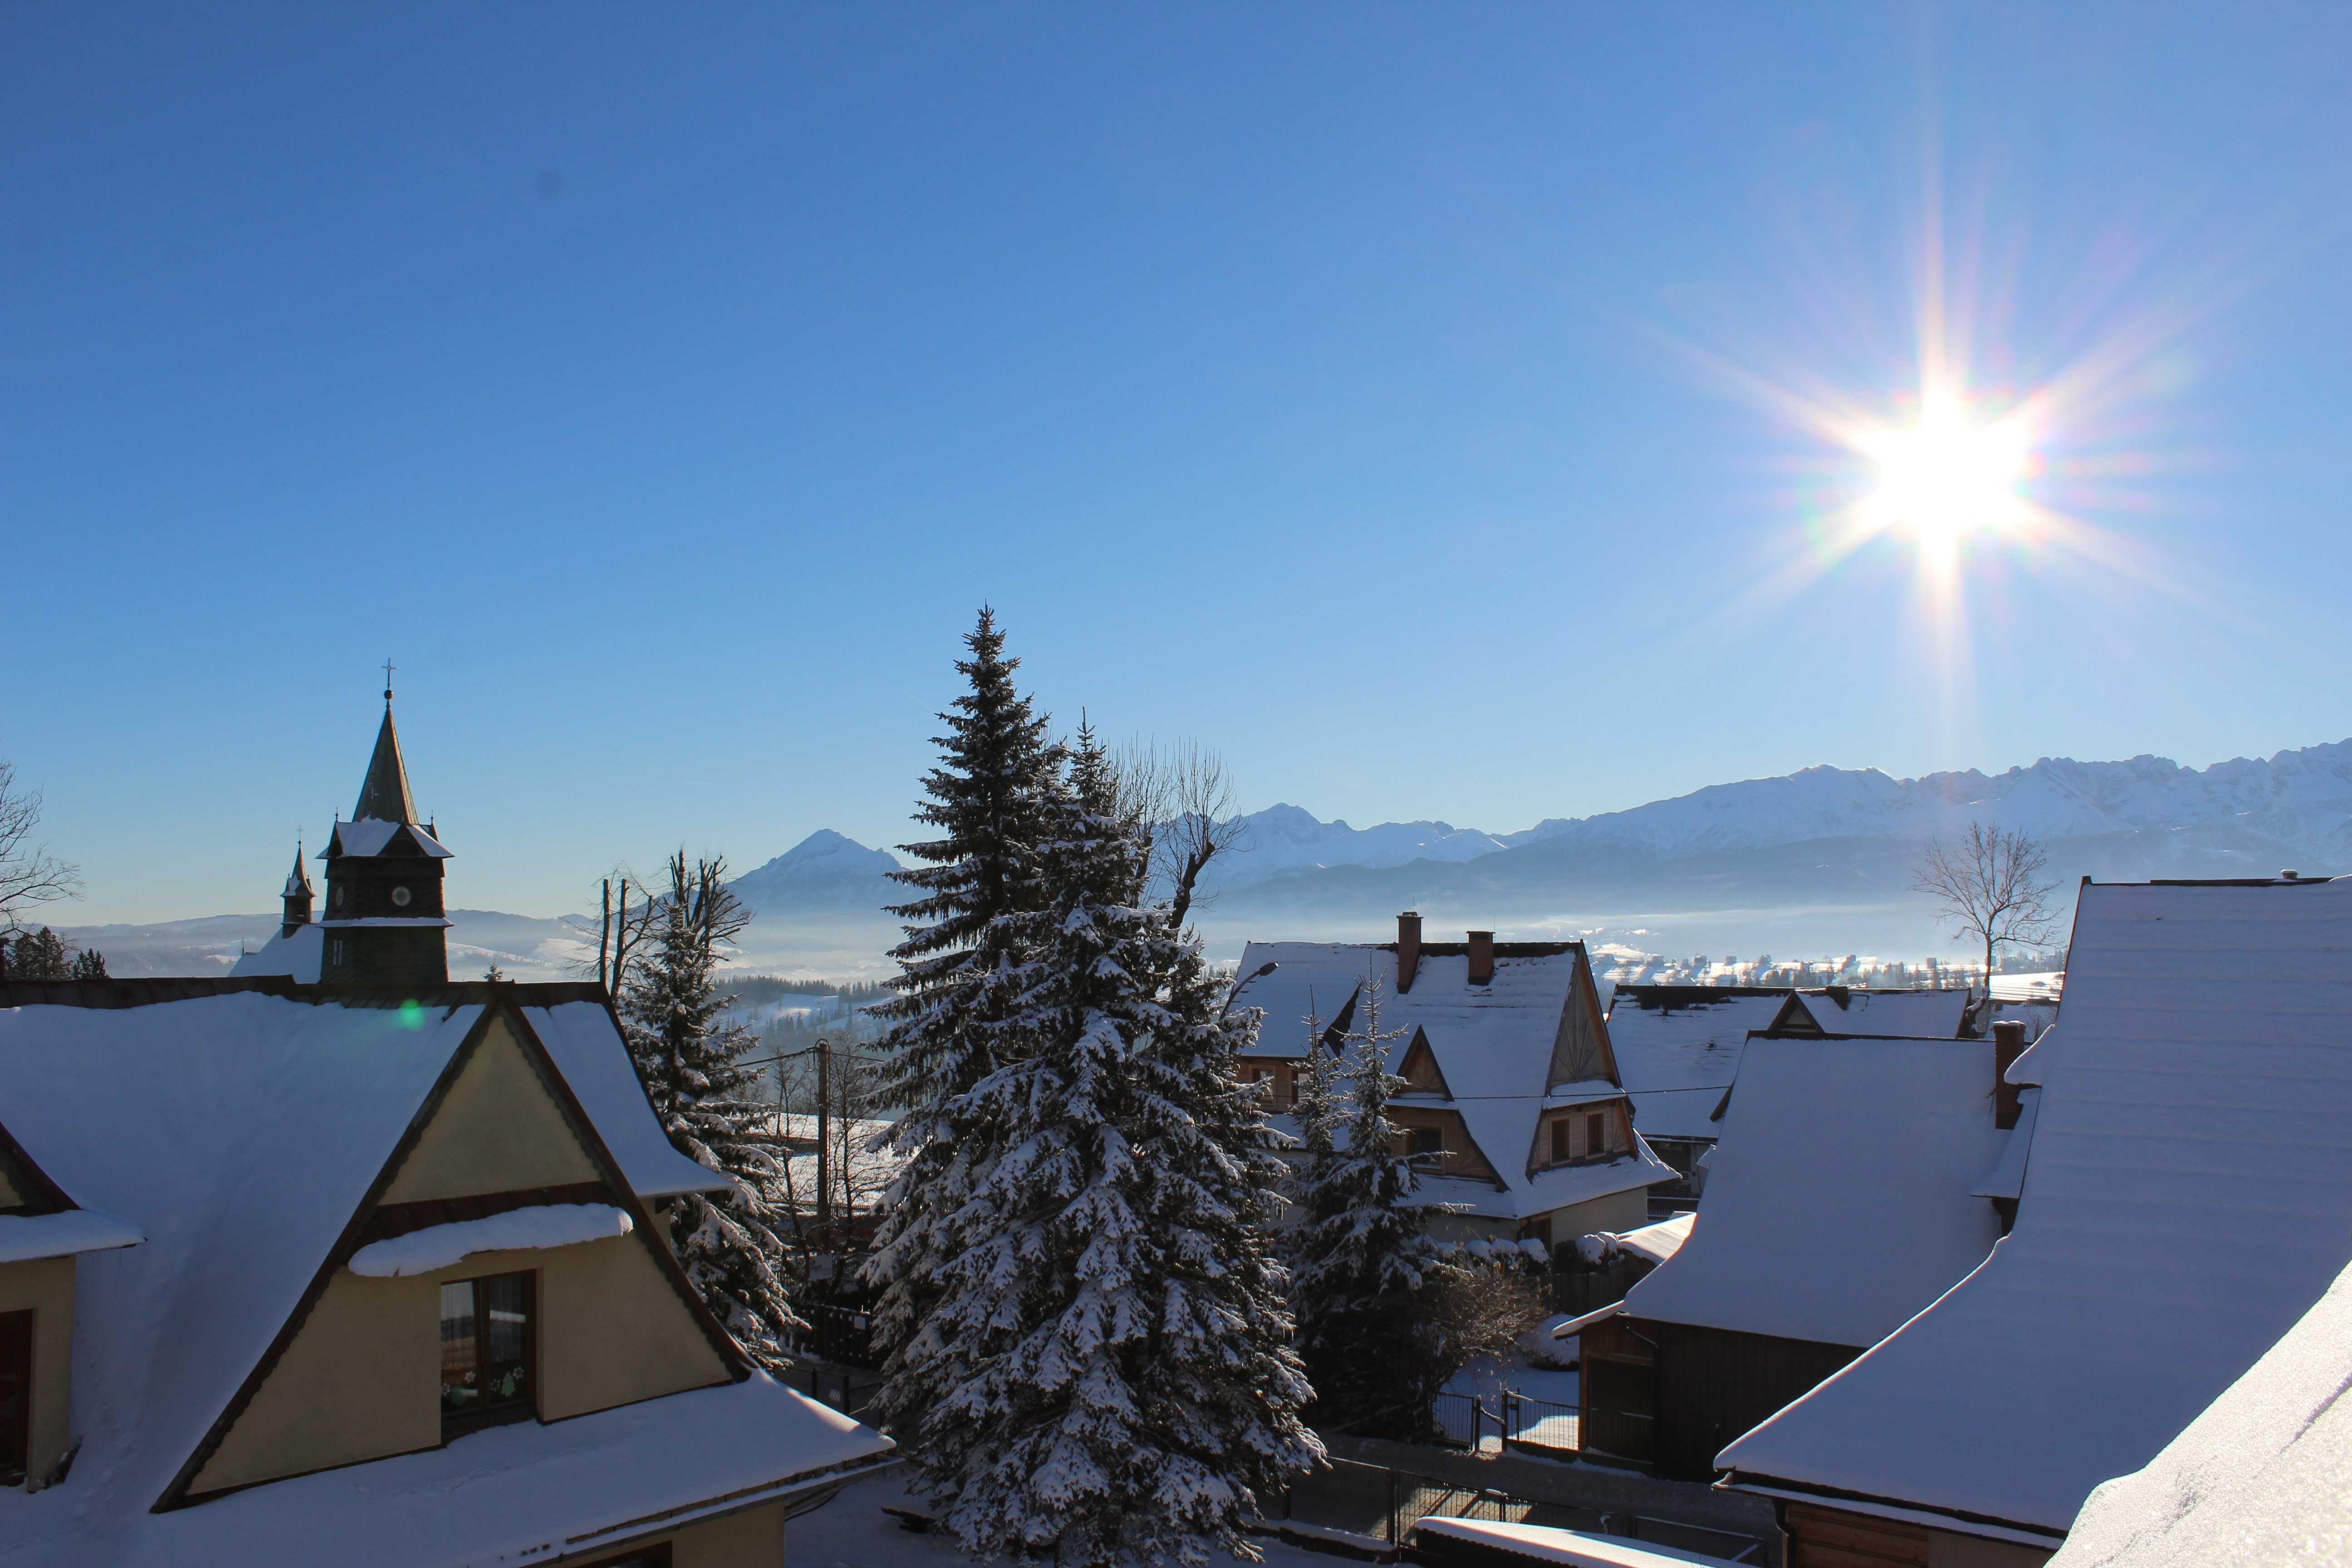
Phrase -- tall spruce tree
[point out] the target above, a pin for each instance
(1113, 1315)
(707, 1102)
(1360, 1252)
(962, 969)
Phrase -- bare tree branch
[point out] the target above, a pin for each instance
(1989, 885)
(29, 874)
(1182, 797)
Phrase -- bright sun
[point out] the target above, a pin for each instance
(1947, 476)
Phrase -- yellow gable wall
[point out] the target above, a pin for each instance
(9, 1197)
(45, 1285)
(360, 1379)
(497, 1130)
(752, 1539)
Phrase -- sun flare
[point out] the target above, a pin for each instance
(1947, 476)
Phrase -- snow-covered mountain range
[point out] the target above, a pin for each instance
(1838, 842)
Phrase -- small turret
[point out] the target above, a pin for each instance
(297, 894)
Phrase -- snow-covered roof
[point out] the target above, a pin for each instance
(297, 957)
(370, 835)
(2007, 1177)
(1575, 1548)
(1839, 1200)
(1493, 1044)
(1657, 1243)
(1929, 1015)
(2264, 1476)
(518, 1494)
(578, 1031)
(240, 1126)
(2200, 1109)
(1678, 1049)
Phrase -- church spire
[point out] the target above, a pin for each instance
(297, 895)
(383, 794)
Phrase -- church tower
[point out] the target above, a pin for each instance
(384, 924)
(297, 895)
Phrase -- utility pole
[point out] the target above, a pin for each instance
(823, 1135)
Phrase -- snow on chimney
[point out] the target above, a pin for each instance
(2008, 1044)
(1408, 948)
(1482, 957)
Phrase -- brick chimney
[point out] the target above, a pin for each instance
(2008, 1044)
(1482, 957)
(1408, 948)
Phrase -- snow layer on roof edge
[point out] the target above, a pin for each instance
(516, 1230)
(24, 1238)
(1545, 1543)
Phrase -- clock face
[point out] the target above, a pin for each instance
(400, 898)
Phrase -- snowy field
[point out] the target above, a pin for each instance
(852, 1531)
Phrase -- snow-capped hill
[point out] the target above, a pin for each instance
(823, 871)
(2301, 798)
(1286, 837)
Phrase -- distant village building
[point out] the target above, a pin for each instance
(1511, 1088)
(1841, 1202)
(2180, 1205)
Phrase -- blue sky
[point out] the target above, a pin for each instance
(1343, 386)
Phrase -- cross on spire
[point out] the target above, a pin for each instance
(388, 667)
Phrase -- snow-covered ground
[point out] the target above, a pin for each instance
(852, 1531)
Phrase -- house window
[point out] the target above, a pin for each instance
(1561, 1151)
(1596, 1141)
(654, 1556)
(487, 1353)
(338, 959)
(1424, 1140)
(16, 1395)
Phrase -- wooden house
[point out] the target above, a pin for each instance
(1679, 1046)
(386, 1279)
(1511, 1091)
(1842, 1201)
(2180, 1206)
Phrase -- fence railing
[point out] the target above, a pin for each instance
(1383, 1504)
(843, 1335)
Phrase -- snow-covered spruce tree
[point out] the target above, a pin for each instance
(962, 969)
(1113, 1313)
(1360, 1252)
(707, 1102)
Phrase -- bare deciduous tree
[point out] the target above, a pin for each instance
(1181, 798)
(1990, 884)
(29, 874)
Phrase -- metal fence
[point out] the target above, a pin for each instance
(842, 1335)
(1381, 1504)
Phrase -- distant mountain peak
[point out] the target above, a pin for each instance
(825, 870)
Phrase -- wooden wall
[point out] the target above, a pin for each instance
(1713, 1385)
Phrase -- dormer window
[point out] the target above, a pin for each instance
(1596, 1135)
(488, 1352)
(1560, 1150)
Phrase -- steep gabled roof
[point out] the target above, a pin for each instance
(1840, 1200)
(244, 1127)
(1678, 1049)
(2198, 1106)
(1938, 1014)
(1494, 1046)
(384, 794)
